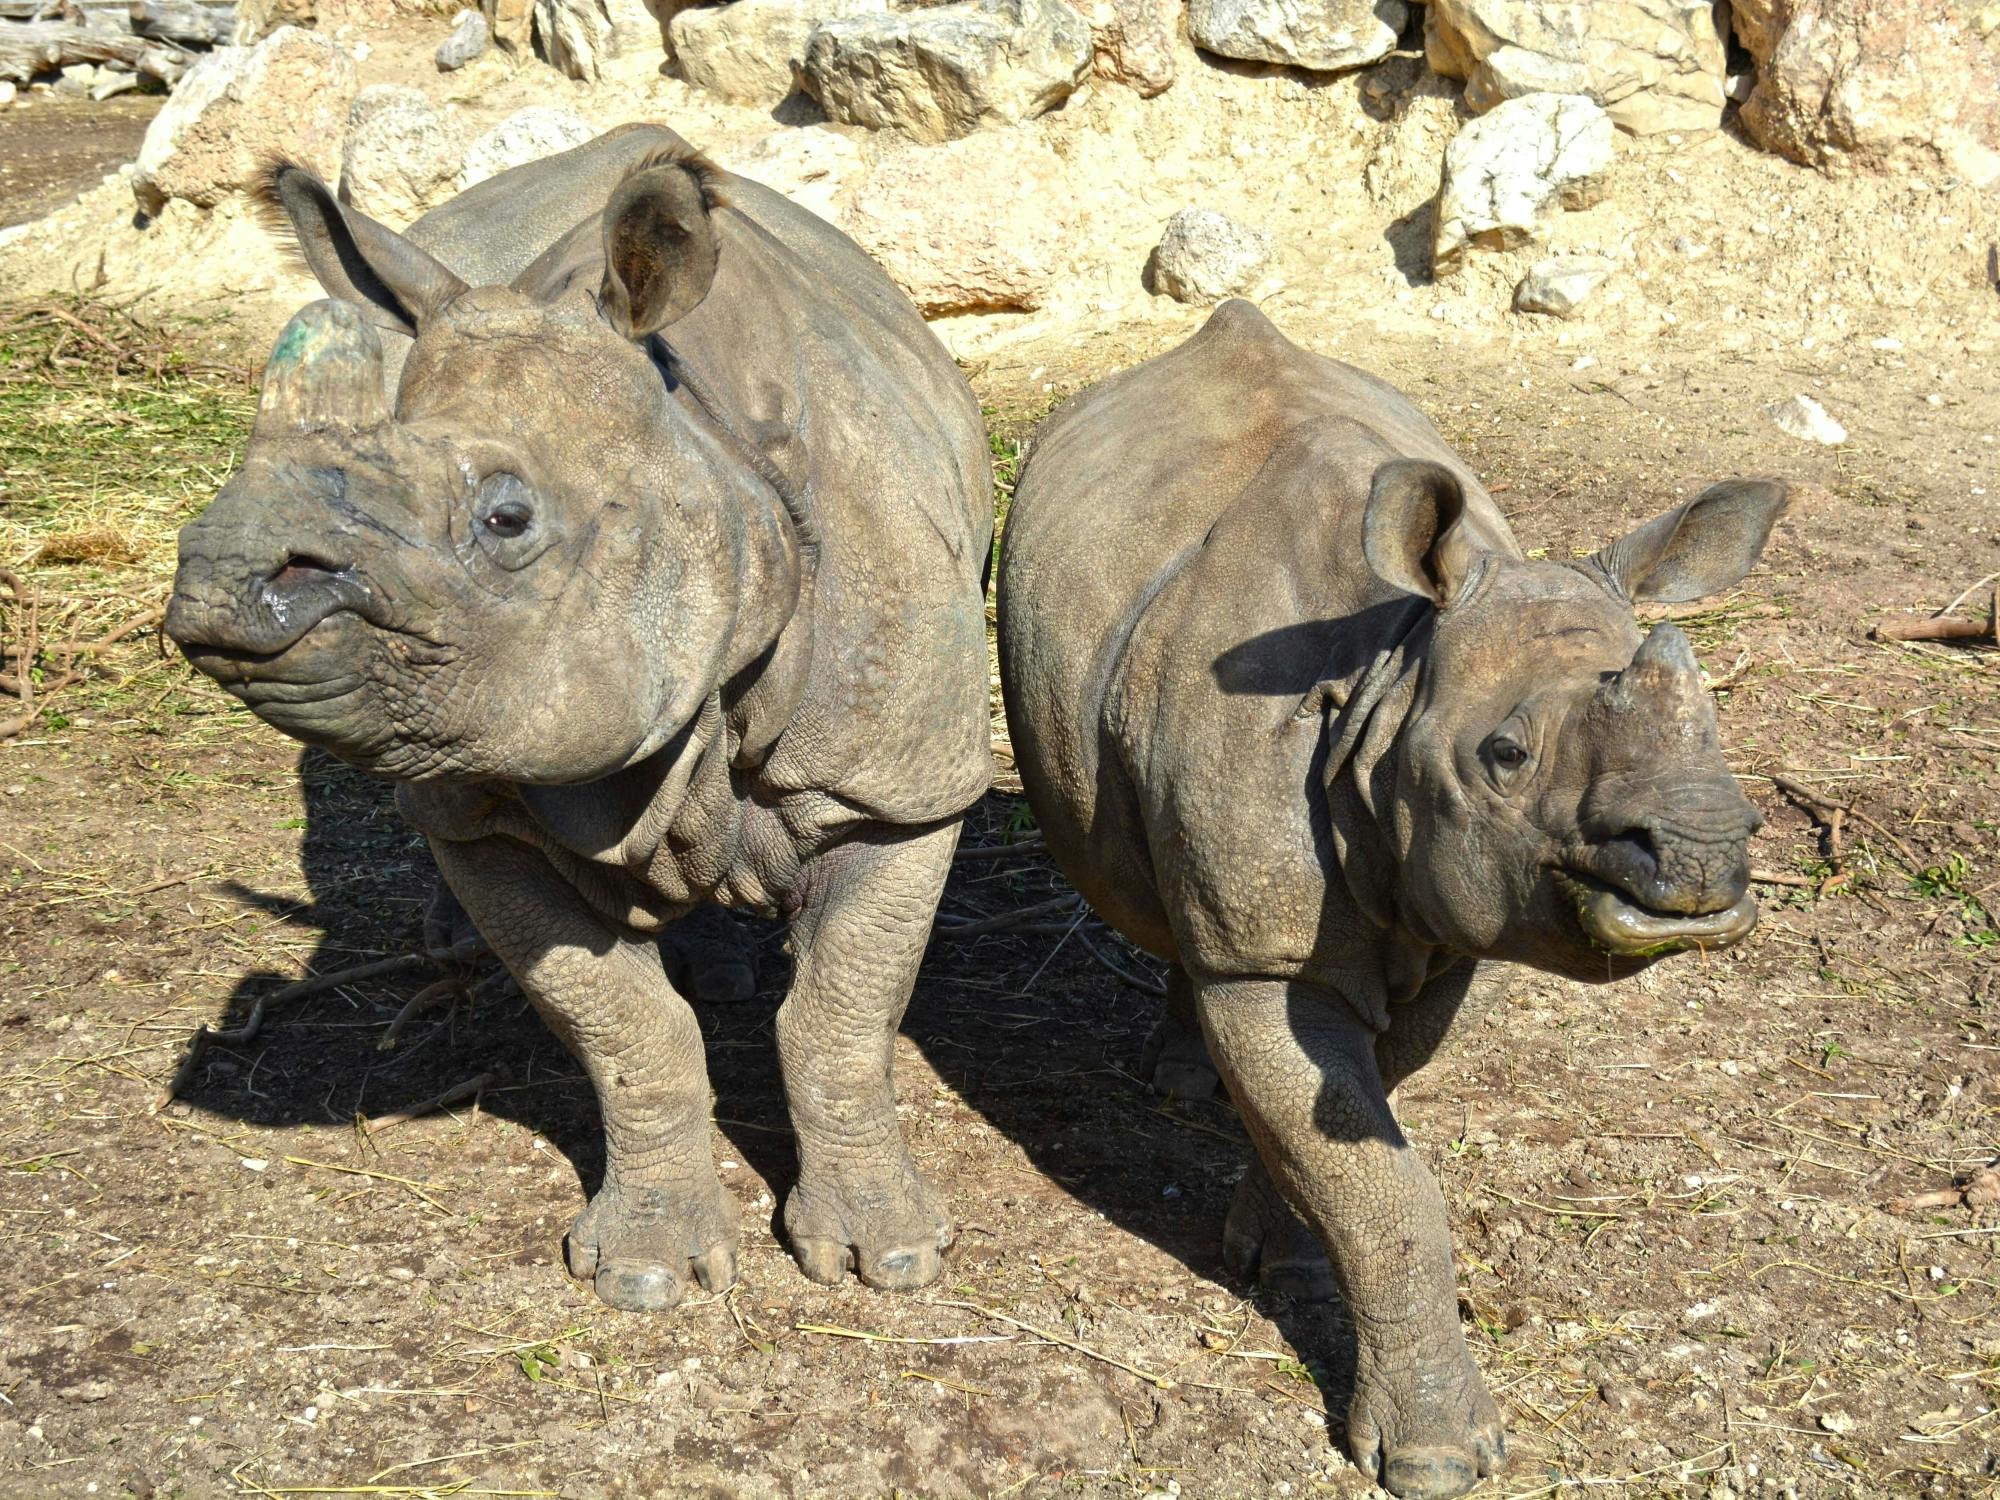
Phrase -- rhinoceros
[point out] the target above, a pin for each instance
(1297, 716)
(659, 583)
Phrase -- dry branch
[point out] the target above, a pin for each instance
(33, 47)
(1942, 626)
(401, 963)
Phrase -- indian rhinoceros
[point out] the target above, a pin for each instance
(660, 583)
(1297, 716)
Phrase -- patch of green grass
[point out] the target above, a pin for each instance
(110, 438)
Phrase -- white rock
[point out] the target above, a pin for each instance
(403, 154)
(1133, 42)
(526, 135)
(77, 80)
(1557, 285)
(113, 81)
(1323, 35)
(750, 50)
(1805, 419)
(1504, 169)
(978, 224)
(470, 36)
(1655, 65)
(236, 108)
(1205, 256)
(940, 73)
(598, 39)
(7, 92)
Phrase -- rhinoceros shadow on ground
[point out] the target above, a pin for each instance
(1028, 1030)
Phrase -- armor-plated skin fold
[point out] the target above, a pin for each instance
(1297, 715)
(629, 518)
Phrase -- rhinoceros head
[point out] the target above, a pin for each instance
(537, 564)
(1560, 794)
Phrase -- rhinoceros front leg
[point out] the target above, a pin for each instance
(660, 1215)
(1303, 1072)
(860, 1204)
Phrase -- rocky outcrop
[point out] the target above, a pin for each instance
(257, 19)
(1323, 35)
(1874, 85)
(512, 23)
(941, 73)
(751, 51)
(1505, 169)
(239, 106)
(526, 135)
(1205, 256)
(1132, 42)
(590, 39)
(973, 226)
(403, 154)
(1654, 65)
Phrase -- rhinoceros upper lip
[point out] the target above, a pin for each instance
(1613, 921)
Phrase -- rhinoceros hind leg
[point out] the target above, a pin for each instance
(1265, 1240)
(711, 957)
(860, 1204)
(1175, 1059)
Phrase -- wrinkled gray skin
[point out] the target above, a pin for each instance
(1297, 716)
(660, 585)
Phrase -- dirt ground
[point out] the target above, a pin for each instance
(55, 148)
(1679, 1269)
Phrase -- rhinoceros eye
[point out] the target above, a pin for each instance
(505, 506)
(1506, 754)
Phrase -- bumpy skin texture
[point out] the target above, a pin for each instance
(1297, 716)
(660, 586)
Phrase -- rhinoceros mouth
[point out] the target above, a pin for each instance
(1618, 925)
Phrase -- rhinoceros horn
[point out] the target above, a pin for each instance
(325, 375)
(1662, 682)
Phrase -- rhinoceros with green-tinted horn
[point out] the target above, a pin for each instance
(656, 579)
(1297, 716)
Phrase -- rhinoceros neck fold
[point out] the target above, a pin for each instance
(1360, 771)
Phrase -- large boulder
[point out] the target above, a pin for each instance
(751, 50)
(526, 135)
(1205, 256)
(1654, 65)
(403, 154)
(1132, 42)
(512, 23)
(1874, 85)
(941, 73)
(238, 107)
(1323, 35)
(808, 165)
(596, 39)
(977, 225)
(1505, 169)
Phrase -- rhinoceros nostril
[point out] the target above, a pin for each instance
(1635, 849)
(301, 568)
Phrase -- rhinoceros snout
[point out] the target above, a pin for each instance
(239, 607)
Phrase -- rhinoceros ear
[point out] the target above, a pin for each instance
(1413, 532)
(660, 244)
(1699, 549)
(353, 257)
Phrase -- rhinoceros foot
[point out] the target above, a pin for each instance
(1421, 1436)
(1176, 1064)
(639, 1247)
(893, 1235)
(1264, 1240)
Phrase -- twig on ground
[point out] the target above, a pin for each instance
(1980, 1190)
(1942, 626)
(379, 968)
(1138, 982)
(1834, 805)
(1001, 851)
(958, 932)
(457, 1093)
(1775, 877)
(448, 988)
(1160, 1382)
